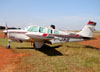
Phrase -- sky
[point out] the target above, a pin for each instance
(64, 14)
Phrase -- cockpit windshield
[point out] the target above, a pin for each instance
(33, 29)
(25, 28)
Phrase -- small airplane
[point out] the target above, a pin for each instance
(39, 35)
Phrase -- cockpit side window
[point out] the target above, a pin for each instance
(56, 32)
(49, 31)
(42, 30)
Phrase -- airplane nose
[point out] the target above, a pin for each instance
(27, 38)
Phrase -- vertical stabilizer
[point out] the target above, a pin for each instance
(88, 30)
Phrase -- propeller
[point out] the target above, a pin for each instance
(6, 30)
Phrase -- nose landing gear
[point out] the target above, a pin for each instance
(8, 46)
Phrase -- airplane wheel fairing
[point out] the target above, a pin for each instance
(34, 46)
(38, 45)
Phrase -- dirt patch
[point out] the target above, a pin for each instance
(1, 34)
(94, 43)
(8, 59)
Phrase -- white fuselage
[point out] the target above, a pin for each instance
(17, 35)
(38, 35)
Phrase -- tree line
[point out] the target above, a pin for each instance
(3, 27)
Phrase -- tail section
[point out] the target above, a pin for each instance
(88, 30)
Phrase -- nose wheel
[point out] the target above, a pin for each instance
(8, 46)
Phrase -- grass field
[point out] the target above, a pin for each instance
(96, 34)
(62, 57)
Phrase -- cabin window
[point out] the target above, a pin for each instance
(49, 31)
(56, 32)
(42, 30)
(33, 29)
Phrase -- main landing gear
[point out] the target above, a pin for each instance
(38, 45)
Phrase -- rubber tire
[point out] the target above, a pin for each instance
(8, 46)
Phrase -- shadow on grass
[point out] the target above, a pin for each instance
(87, 46)
(24, 48)
(50, 51)
(83, 46)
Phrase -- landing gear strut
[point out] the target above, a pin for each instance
(8, 46)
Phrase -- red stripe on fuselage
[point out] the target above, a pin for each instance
(44, 35)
